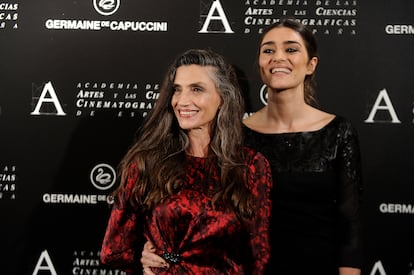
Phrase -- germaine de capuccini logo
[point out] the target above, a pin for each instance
(263, 94)
(103, 176)
(106, 7)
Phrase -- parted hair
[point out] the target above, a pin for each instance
(159, 151)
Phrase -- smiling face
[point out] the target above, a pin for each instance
(283, 59)
(196, 99)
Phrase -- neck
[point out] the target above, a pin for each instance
(199, 143)
(286, 109)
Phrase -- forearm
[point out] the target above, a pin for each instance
(349, 204)
(120, 242)
(349, 271)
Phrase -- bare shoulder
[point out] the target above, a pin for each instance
(255, 120)
(320, 119)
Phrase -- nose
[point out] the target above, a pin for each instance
(183, 98)
(278, 56)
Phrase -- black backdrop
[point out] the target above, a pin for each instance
(77, 77)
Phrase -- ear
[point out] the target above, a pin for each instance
(313, 62)
(221, 103)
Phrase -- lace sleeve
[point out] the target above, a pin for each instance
(260, 184)
(350, 198)
(123, 233)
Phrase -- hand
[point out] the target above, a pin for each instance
(150, 259)
(349, 271)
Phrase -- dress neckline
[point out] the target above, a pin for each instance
(296, 133)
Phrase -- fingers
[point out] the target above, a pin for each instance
(149, 247)
(150, 259)
(147, 271)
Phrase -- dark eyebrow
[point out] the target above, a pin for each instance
(195, 84)
(267, 43)
(285, 43)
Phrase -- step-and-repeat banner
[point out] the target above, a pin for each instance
(78, 77)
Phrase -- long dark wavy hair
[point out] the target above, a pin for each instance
(160, 148)
(311, 47)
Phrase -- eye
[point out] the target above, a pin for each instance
(197, 89)
(268, 51)
(176, 89)
(291, 50)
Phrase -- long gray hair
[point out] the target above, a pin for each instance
(159, 151)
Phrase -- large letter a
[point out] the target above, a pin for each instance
(48, 89)
(49, 265)
(216, 6)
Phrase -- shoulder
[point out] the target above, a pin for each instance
(132, 176)
(343, 125)
(253, 118)
(258, 172)
(130, 180)
(343, 131)
(316, 119)
(248, 131)
(254, 158)
(250, 153)
(256, 120)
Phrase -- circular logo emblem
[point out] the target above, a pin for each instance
(263, 94)
(103, 176)
(106, 7)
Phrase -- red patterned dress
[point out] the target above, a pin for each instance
(188, 232)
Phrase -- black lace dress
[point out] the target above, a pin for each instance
(315, 225)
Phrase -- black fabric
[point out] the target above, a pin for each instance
(316, 198)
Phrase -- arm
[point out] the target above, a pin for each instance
(150, 259)
(123, 235)
(349, 271)
(349, 203)
(260, 183)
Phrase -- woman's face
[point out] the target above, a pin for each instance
(195, 99)
(283, 59)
